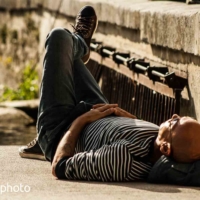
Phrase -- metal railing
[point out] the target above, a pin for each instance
(152, 93)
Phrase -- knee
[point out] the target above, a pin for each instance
(59, 34)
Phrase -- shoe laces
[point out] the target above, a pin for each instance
(83, 26)
(32, 143)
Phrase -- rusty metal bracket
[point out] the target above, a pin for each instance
(106, 51)
(170, 79)
(174, 81)
(139, 66)
(121, 58)
(95, 46)
(156, 73)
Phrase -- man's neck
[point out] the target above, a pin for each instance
(155, 154)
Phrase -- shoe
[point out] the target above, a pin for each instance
(85, 26)
(32, 151)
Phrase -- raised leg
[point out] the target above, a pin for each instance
(65, 83)
(86, 87)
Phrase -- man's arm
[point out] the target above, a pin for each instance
(109, 163)
(113, 162)
(68, 143)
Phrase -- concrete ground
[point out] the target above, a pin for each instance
(36, 176)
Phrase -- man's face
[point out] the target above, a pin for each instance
(179, 137)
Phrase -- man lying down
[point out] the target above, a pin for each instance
(87, 138)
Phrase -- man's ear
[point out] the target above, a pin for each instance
(165, 148)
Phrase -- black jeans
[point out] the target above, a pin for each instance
(67, 89)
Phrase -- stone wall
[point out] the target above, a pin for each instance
(166, 33)
(19, 41)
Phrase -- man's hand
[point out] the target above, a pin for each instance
(122, 113)
(98, 112)
(117, 111)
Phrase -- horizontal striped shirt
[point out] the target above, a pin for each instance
(113, 149)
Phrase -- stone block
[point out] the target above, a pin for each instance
(14, 116)
(30, 107)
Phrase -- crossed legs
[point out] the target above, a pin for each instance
(66, 81)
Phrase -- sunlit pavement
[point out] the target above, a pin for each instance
(31, 179)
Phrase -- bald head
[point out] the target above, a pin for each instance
(186, 140)
(179, 137)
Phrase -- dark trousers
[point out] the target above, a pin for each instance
(67, 89)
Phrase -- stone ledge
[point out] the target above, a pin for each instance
(169, 24)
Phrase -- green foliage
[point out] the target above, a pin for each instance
(30, 23)
(37, 35)
(27, 89)
(4, 34)
(14, 36)
(31, 27)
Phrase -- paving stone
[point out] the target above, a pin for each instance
(37, 175)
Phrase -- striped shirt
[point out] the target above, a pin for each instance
(112, 149)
